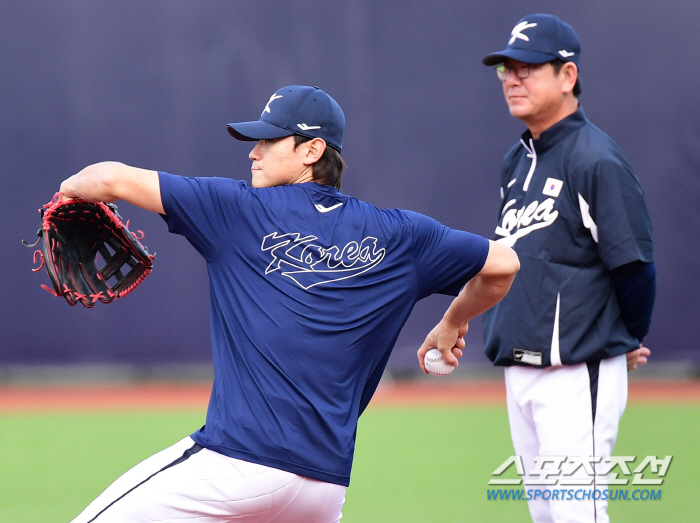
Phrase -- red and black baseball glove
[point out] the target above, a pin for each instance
(73, 233)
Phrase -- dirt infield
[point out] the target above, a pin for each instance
(401, 394)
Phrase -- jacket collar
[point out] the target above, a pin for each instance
(555, 133)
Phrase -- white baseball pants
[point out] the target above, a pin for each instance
(570, 410)
(190, 484)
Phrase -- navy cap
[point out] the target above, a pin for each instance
(539, 38)
(296, 109)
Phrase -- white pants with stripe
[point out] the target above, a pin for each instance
(189, 484)
(551, 413)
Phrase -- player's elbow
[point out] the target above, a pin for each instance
(512, 263)
(502, 262)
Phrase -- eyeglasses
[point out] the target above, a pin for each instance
(521, 70)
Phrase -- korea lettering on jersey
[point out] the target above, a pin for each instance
(308, 264)
(519, 215)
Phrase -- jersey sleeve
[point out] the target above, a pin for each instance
(445, 259)
(203, 210)
(613, 209)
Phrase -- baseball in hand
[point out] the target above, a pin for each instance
(435, 364)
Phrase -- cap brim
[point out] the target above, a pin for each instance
(521, 55)
(258, 130)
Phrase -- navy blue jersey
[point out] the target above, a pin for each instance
(573, 210)
(309, 289)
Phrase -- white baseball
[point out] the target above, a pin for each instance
(435, 364)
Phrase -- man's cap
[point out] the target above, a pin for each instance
(296, 109)
(539, 38)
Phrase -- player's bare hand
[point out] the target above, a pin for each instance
(65, 190)
(637, 357)
(448, 339)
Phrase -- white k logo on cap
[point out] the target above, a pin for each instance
(517, 31)
(272, 99)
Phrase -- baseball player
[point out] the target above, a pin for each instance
(574, 211)
(309, 289)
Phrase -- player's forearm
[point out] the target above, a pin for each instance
(478, 296)
(487, 288)
(112, 181)
(95, 183)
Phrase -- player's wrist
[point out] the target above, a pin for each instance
(455, 322)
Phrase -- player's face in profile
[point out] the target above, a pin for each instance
(276, 162)
(534, 96)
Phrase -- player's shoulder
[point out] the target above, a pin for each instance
(417, 225)
(402, 221)
(515, 150)
(596, 158)
(396, 222)
(592, 145)
(509, 162)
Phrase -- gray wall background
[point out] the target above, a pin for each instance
(153, 84)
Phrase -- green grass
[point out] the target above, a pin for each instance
(422, 465)
(410, 465)
(53, 465)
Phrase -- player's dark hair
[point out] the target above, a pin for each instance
(328, 170)
(558, 64)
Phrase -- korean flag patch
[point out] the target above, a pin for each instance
(552, 187)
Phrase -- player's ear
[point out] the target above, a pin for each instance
(314, 150)
(569, 72)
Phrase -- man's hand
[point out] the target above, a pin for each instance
(637, 357)
(448, 339)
